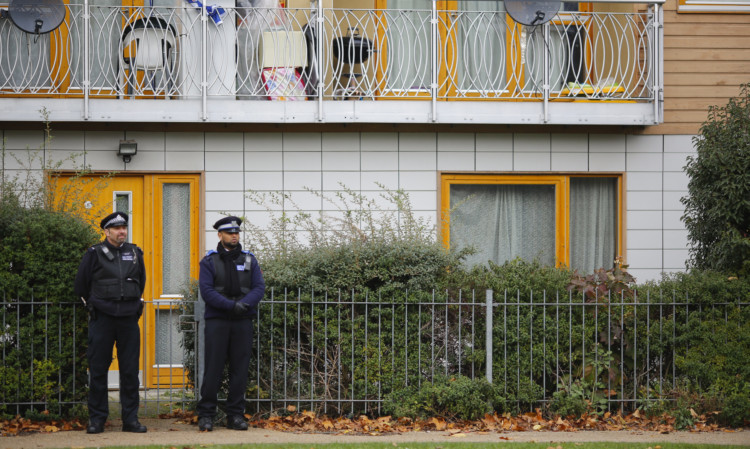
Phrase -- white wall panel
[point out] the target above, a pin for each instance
(147, 160)
(263, 142)
(104, 160)
(302, 160)
(455, 142)
(224, 161)
(676, 181)
(417, 142)
(672, 200)
(645, 258)
(416, 160)
(341, 160)
(678, 144)
(185, 142)
(261, 180)
(569, 162)
(378, 161)
(379, 142)
(644, 161)
(222, 142)
(494, 142)
(302, 180)
(340, 142)
(523, 161)
(537, 142)
(264, 161)
(24, 140)
(184, 160)
(147, 141)
(455, 161)
(675, 258)
(224, 201)
(418, 180)
(305, 200)
(637, 143)
(607, 161)
(371, 179)
(640, 219)
(569, 143)
(495, 161)
(607, 143)
(225, 181)
(673, 219)
(423, 200)
(675, 161)
(644, 201)
(66, 140)
(676, 239)
(64, 159)
(24, 159)
(636, 181)
(644, 239)
(302, 142)
(642, 275)
(103, 140)
(332, 180)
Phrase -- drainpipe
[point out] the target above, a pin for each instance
(86, 80)
(658, 62)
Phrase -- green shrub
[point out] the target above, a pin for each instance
(452, 398)
(736, 409)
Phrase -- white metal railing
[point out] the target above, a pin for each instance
(332, 54)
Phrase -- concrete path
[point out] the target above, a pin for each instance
(172, 432)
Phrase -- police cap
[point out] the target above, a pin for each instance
(228, 224)
(114, 219)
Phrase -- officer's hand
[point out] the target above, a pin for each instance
(240, 308)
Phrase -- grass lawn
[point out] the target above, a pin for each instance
(454, 445)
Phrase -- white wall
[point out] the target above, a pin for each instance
(656, 239)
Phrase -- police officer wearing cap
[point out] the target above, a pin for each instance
(110, 281)
(232, 285)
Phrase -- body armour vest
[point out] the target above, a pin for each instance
(243, 263)
(117, 276)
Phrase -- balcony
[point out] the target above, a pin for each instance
(331, 65)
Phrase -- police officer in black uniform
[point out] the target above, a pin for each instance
(232, 285)
(110, 281)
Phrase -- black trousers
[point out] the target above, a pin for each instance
(104, 331)
(230, 340)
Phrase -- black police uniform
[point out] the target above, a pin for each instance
(111, 281)
(228, 325)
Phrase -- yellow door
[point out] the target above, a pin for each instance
(164, 222)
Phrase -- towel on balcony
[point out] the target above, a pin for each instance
(215, 12)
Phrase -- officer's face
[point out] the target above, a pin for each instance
(229, 239)
(116, 235)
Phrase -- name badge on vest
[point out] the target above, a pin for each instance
(241, 267)
(128, 256)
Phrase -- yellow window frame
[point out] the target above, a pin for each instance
(561, 182)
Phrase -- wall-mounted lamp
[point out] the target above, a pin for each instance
(127, 150)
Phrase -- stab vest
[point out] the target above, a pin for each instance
(243, 263)
(117, 276)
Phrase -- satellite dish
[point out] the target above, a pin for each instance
(37, 16)
(532, 12)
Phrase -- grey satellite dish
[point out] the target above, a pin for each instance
(37, 16)
(532, 12)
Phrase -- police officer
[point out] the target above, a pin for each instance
(231, 285)
(110, 281)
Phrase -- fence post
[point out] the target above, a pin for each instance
(488, 335)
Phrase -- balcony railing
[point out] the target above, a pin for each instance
(329, 55)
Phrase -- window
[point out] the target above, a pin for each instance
(563, 220)
(742, 6)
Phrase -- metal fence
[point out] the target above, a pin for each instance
(344, 352)
(168, 52)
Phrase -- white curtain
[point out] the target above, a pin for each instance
(593, 223)
(409, 44)
(503, 222)
(481, 46)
